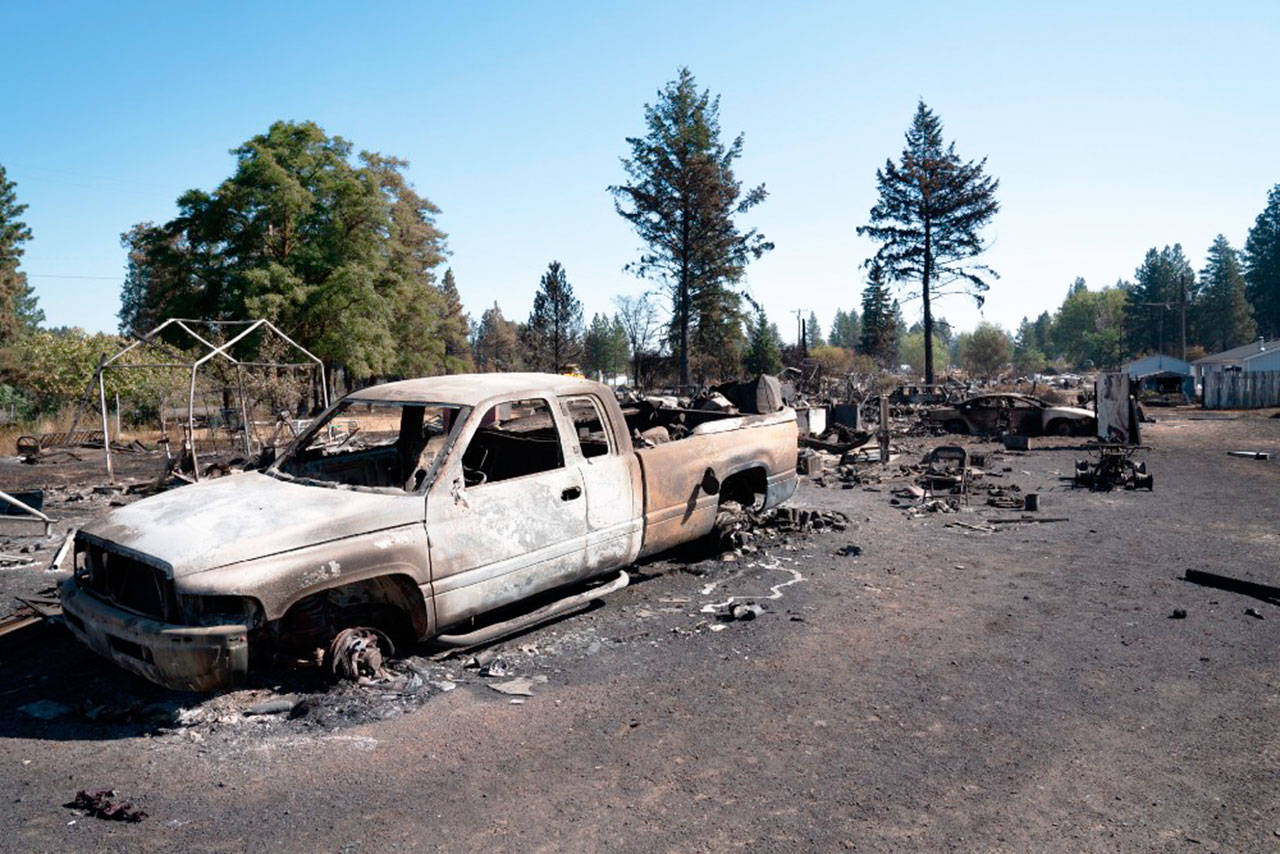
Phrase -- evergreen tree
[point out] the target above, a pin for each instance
(604, 347)
(879, 328)
(682, 200)
(1262, 266)
(555, 324)
(1223, 316)
(931, 209)
(812, 332)
(1043, 324)
(19, 313)
(764, 353)
(496, 343)
(1163, 290)
(1028, 358)
(454, 327)
(846, 329)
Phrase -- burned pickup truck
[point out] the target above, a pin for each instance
(406, 510)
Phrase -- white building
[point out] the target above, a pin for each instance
(1260, 355)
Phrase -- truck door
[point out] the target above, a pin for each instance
(507, 517)
(612, 479)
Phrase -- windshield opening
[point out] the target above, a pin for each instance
(375, 444)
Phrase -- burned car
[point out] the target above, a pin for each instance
(407, 509)
(1019, 414)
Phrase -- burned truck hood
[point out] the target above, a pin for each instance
(246, 516)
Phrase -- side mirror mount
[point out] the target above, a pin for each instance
(710, 483)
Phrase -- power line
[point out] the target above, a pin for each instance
(58, 276)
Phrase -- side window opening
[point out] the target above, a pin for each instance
(588, 422)
(515, 439)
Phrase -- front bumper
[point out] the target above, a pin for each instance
(185, 658)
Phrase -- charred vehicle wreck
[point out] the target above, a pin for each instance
(406, 510)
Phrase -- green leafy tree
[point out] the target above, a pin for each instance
(1262, 266)
(879, 337)
(496, 342)
(337, 250)
(764, 353)
(19, 313)
(1223, 316)
(555, 324)
(932, 207)
(986, 351)
(911, 352)
(683, 200)
(846, 329)
(1088, 328)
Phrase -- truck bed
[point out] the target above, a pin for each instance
(759, 450)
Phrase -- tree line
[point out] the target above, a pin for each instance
(340, 250)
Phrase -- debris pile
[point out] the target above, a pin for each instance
(744, 529)
(103, 804)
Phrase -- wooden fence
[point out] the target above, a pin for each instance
(1238, 390)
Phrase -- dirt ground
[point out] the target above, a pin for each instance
(910, 684)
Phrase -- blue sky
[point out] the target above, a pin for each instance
(1111, 129)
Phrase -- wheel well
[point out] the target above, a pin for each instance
(956, 425)
(392, 603)
(748, 487)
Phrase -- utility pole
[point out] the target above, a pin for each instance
(801, 343)
(1183, 287)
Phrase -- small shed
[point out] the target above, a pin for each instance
(1158, 363)
(1161, 375)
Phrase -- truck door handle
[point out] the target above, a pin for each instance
(571, 493)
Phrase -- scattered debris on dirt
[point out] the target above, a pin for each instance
(103, 804)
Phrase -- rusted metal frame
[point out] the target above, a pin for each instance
(35, 514)
(244, 412)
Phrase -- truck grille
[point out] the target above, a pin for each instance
(129, 583)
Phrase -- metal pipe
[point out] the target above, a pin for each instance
(106, 436)
(244, 411)
(191, 423)
(22, 505)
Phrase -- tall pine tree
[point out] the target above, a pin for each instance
(1223, 316)
(683, 199)
(931, 209)
(18, 311)
(1262, 266)
(555, 324)
(455, 327)
(1156, 305)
